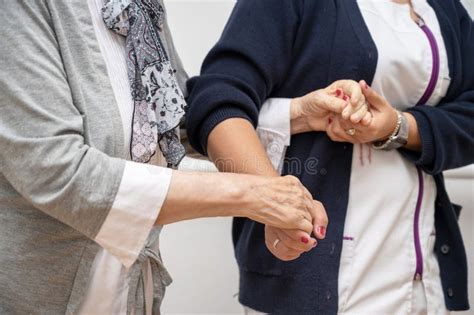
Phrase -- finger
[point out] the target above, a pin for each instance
(330, 132)
(296, 240)
(350, 88)
(304, 224)
(331, 103)
(367, 119)
(359, 114)
(339, 93)
(353, 112)
(320, 220)
(356, 95)
(348, 109)
(372, 97)
(280, 250)
(339, 128)
(344, 124)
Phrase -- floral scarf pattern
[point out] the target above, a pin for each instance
(159, 104)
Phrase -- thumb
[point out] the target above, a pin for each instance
(320, 220)
(371, 96)
(330, 103)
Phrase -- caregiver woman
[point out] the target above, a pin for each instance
(79, 224)
(393, 245)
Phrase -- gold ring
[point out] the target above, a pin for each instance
(351, 131)
(276, 243)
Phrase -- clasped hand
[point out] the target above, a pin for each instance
(348, 111)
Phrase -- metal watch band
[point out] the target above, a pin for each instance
(398, 139)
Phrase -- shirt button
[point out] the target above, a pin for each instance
(333, 247)
(450, 292)
(323, 171)
(445, 249)
(439, 204)
(328, 295)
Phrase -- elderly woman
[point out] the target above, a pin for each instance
(393, 245)
(84, 86)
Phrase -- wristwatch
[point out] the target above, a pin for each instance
(397, 139)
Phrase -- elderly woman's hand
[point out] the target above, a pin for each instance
(283, 202)
(383, 123)
(344, 97)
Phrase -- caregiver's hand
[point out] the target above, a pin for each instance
(383, 123)
(283, 202)
(344, 97)
(290, 244)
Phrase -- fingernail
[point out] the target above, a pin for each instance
(345, 97)
(329, 120)
(322, 231)
(338, 92)
(304, 239)
(315, 244)
(365, 85)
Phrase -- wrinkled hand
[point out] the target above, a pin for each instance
(382, 124)
(343, 97)
(283, 202)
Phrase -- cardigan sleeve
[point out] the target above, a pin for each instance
(447, 130)
(241, 71)
(43, 152)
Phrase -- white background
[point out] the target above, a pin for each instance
(199, 253)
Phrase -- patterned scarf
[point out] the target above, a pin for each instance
(159, 104)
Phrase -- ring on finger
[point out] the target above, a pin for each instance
(351, 131)
(275, 243)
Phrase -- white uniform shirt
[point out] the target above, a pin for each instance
(378, 259)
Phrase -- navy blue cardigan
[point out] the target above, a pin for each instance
(287, 48)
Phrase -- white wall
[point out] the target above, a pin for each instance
(199, 253)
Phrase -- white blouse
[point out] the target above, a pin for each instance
(141, 193)
(378, 260)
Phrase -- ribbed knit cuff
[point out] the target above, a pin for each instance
(425, 158)
(216, 117)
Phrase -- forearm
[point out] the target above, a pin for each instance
(233, 146)
(414, 140)
(194, 195)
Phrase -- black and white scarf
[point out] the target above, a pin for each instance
(159, 104)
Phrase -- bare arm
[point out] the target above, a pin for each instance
(235, 141)
(278, 201)
(234, 147)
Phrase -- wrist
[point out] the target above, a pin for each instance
(298, 121)
(243, 198)
(301, 122)
(391, 126)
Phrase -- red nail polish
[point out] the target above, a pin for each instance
(304, 239)
(315, 244)
(329, 120)
(346, 98)
(338, 92)
(322, 231)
